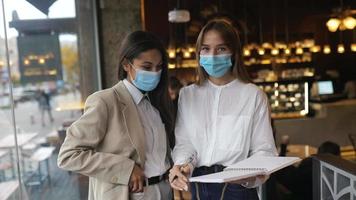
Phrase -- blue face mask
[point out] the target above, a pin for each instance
(216, 65)
(145, 80)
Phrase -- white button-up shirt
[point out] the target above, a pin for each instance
(155, 134)
(222, 124)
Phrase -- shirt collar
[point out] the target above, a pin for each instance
(222, 86)
(135, 93)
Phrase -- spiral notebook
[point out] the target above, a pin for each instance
(253, 166)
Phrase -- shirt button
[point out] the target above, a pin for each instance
(114, 179)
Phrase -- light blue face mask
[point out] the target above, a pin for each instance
(146, 80)
(216, 65)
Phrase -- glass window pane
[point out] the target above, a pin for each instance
(46, 76)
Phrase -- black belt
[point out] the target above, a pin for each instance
(211, 169)
(155, 179)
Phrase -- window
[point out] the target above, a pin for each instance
(41, 94)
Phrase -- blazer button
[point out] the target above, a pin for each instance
(114, 179)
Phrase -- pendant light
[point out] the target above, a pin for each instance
(287, 50)
(340, 46)
(326, 49)
(261, 50)
(246, 49)
(353, 45)
(275, 50)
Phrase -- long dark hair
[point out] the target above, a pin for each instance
(132, 46)
(231, 37)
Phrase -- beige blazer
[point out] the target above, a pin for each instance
(105, 143)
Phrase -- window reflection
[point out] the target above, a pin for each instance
(45, 74)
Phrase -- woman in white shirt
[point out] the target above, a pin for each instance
(221, 120)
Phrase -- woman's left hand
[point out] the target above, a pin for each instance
(178, 177)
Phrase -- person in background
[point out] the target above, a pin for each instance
(173, 89)
(174, 86)
(221, 120)
(121, 141)
(350, 89)
(299, 180)
(44, 104)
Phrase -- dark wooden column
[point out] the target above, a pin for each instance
(116, 19)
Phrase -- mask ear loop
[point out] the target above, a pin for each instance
(133, 68)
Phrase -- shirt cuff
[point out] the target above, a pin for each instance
(191, 168)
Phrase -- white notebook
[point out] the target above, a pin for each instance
(253, 166)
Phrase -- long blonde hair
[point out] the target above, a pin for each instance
(231, 37)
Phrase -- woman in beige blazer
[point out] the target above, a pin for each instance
(121, 140)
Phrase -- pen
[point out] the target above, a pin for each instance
(174, 178)
(181, 168)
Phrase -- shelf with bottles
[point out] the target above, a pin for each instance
(182, 57)
(269, 75)
(279, 52)
(186, 63)
(265, 61)
(287, 98)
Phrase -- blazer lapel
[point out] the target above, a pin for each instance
(132, 121)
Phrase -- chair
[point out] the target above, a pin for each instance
(62, 135)
(4, 164)
(40, 155)
(26, 152)
(52, 139)
(3, 167)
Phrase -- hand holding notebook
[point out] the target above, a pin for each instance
(250, 167)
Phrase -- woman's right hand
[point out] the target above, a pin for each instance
(136, 179)
(178, 177)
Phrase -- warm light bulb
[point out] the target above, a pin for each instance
(171, 54)
(191, 49)
(41, 60)
(276, 103)
(353, 47)
(333, 24)
(247, 52)
(315, 49)
(349, 22)
(287, 51)
(342, 27)
(267, 45)
(171, 66)
(26, 62)
(275, 51)
(326, 49)
(299, 51)
(186, 54)
(261, 51)
(340, 48)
